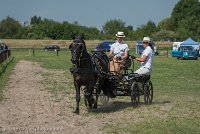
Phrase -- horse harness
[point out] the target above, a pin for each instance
(96, 60)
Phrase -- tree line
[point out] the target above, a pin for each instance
(184, 22)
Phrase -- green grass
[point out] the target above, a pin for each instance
(179, 76)
(47, 59)
(175, 107)
(4, 77)
(158, 126)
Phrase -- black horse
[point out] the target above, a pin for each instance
(89, 70)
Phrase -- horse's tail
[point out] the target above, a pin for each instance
(108, 88)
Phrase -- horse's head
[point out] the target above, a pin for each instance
(77, 47)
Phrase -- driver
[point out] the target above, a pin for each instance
(146, 58)
(119, 53)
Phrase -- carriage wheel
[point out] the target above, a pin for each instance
(148, 92)
(135, 97)
(103, 99)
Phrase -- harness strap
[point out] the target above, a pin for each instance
(101, 70)
(81, 70)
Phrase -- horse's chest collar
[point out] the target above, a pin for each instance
(81, 70)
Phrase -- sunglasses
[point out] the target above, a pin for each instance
(145, 42)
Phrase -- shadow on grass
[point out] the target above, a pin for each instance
(113, 107)
(160, 102)
(154, 103)
(120, 105)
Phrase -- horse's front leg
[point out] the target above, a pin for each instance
(77, 88)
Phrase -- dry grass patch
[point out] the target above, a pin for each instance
(24, 43)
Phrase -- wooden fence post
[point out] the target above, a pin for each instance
(167, 51)
(33, 51)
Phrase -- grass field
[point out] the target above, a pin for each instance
(176, 104)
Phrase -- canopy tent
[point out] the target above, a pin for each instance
(190, 42)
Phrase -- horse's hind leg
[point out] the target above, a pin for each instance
(88, 96)
(98, 91)
(77, 98)
(96, 100)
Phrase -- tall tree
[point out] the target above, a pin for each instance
(186, 18)
(150, 28)
(9, 28)
(146, 30)
(166, 24)
(164, 35)
(35, 20)
(111, 27)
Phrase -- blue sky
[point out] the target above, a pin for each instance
(93, 13)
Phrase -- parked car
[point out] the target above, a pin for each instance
(139, 47)
(104, 46)
(52, 48)
(186, 52)
(3, 46)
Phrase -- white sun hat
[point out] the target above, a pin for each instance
(120, 34)
(146, 39)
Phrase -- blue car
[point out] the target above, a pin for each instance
(185, 52)
(104, 46)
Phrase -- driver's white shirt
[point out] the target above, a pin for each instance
(148, 62)
(119, 49)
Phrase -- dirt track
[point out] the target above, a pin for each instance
(28, 108)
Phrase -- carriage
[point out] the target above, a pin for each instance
(91, 70)
(130, 84)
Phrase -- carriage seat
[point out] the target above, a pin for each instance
(140, 77)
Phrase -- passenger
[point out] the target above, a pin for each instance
(119, 52)
(146, 58)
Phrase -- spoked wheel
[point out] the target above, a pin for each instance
(148, 92)
(103, 98)
(135, 97)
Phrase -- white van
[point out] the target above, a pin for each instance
(176, 45)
